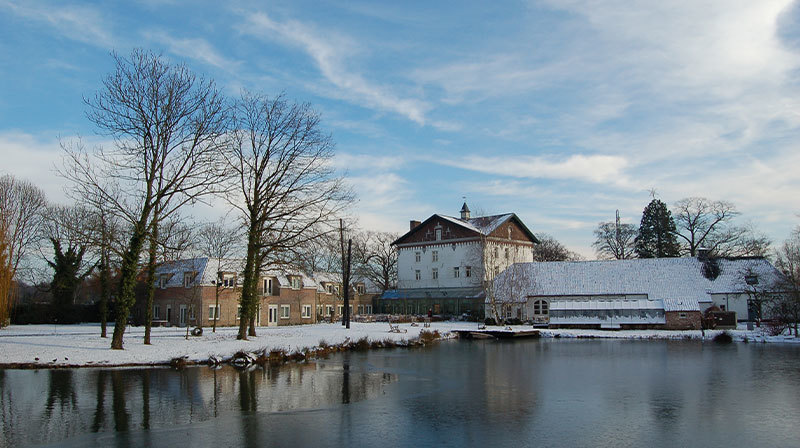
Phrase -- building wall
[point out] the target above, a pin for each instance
(199, 297)
(295, 299)
(691, 320)
(732, 302)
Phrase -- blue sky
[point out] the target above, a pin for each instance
(560, 111)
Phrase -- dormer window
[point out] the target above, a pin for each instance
(296, 282)
(228, 281)
(267, 286)
(751, 279)
(188, 278)
(162, 281)
(360, 289)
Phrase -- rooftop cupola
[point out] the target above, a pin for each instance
(464, 212)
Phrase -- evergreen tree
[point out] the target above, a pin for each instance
(657, 232)
(67, 276)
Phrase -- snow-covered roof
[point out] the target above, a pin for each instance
(681, 305)
(334, 277)
(207, 269)
(658, 278)
(482, 225)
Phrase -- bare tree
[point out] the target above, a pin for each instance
(615, 240)
(286, 190)
(494, 257)
(167, 125)
(376, 258)
(703, 223)
(21, 205)
(218, 242)
(785, 308)
(550, 249)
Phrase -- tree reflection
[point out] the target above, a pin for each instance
(61, 391)
(121, 416)
(100, 393)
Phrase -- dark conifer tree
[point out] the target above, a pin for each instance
(657, 232)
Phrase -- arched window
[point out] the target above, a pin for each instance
(541, 308)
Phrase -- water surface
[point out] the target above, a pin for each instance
(476, 393)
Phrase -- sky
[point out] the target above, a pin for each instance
(560, 111)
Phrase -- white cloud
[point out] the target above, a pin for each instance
(81, 23)
(591, 168)
(194, 48)
(372, 163)
(35, 159)
(329, 52)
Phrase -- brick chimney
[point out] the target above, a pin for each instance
(413, 224)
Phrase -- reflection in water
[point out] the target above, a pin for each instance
(545, 392)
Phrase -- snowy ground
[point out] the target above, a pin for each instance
(80, 345)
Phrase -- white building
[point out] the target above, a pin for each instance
(443, 263)
(638, 292)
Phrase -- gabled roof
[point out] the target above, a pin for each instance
(207, 271)
(659, 278)
(482, 225)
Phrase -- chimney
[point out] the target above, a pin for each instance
(702, 253)
(413, 224)
(464, 212)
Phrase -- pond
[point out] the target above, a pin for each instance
(546, 392)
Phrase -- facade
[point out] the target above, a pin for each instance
(186, 295)
(669, 293)
(444, 263)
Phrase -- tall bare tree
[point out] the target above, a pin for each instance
(21, 205)
(218, 242)
(703, 223)
(376, 258)
(286, 190)
(615, 240)
(167, 125)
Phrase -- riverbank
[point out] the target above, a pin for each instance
(62, 346)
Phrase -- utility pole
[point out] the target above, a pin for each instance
(345, 274)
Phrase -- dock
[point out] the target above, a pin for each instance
(496, 334)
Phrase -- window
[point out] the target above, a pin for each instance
(228, 281)
(417, 256)
(435, 274)
(330, 288)
(467, 271)
(456, 272)
(191, 312)
(162, 281)
(438, 234)
(284, 311)
(267, 286)
(188, 278)
(682, 315)
(506, 253)
(496, 253)
(435, 256)
(213, 312)
(328, 310)
(156, 312)
(368, 309)
(751, 279)
(540, 307)
(306, 312)
(360, 289)
(340, 310)
(509, 233)
(296, 282)
(238, 312)
(361, 309)
(417, 275)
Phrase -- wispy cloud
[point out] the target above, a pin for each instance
(195, 48)
(81, 23)
(329, 52)
(589, 168)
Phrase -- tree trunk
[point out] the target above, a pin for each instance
(151, 278)
(105, 288)
(248, 299)
(252, 331)
(216, 306)
(126, 296)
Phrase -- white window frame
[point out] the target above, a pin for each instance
(456, 272)
(296, 282)
(467, 271)
(328, 310)
(435, 274)
(156, 312)
(267, 286)
(286, 311)
(188, 279)
(368, 309)
(306, 314)
(360, 309)
(211, 314)
(417, 257)
(418, 274)
(434, 256)
(340, 310)
(162, 281)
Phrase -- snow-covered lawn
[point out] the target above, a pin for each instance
(73, 345)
